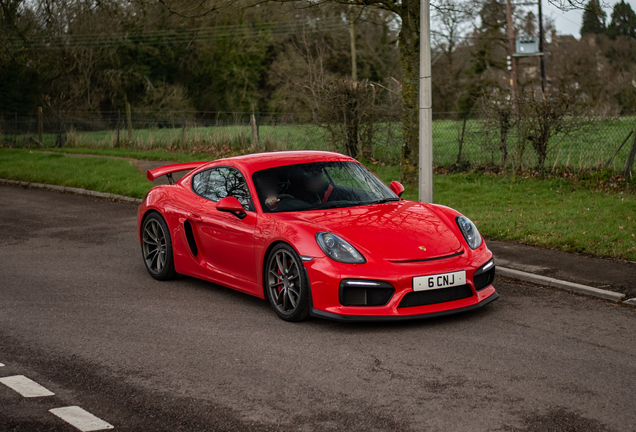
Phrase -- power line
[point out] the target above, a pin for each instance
(181, 36)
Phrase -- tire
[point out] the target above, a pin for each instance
(156, 248)
(286, 286)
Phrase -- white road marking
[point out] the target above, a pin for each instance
(1, 364)
(81, 419)
(25, 386)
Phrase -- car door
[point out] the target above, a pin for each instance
(227, 241)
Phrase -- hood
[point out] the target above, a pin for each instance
(398, 231)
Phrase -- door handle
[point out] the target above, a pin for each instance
(195, 217)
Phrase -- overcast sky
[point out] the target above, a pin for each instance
(570, 22)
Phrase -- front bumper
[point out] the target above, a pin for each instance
(325, 276)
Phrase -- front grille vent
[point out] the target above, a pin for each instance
(484, 276)
(481, 281)
(365, 293)
(443, 295)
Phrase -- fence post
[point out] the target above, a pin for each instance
(58, 139)
(40, 127)
(129, 120)
(627, 173)
(183, 128)
(118, 126)
(619, 149)
(254, 131)
(461, 142)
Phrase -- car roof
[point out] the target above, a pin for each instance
(259, 161)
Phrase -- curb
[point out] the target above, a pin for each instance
(76, 191)
(568, 286)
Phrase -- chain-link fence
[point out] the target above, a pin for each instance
(457, 140)
(589, 144)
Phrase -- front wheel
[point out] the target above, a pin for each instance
(156, 247)
(286, 286)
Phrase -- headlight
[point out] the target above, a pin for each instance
(469, 230)
(338, 249)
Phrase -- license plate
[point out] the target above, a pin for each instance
(444, 280)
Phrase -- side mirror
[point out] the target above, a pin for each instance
(231, 205)
(397, 188)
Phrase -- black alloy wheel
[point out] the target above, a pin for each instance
(156, 247)
(286, 286)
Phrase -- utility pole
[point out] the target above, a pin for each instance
(426, 106)
(354, 66)
(511, 50)
(541, 49)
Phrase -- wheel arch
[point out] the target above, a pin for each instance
(264, 262)
(264, 268)
(148, 212)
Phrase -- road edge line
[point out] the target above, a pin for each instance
(556, 283)
(76, 191)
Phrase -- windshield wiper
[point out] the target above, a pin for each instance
(384, 200)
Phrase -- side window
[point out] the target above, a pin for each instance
(221, 182)
(200, 183)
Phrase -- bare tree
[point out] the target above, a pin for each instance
(454, 21)
(346, 110)
(499, 118)
(544, 115)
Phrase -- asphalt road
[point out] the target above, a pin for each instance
(80, 315)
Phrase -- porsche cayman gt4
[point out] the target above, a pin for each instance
(316, 234)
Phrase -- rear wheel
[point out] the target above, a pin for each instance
(156, 247)
(286, 286)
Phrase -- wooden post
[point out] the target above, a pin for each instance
(58, 139)
(254, 132)
(40, 127)
(129, 121)
(118, 126)
(627, 172)
(183, 128)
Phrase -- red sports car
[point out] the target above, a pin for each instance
(316, 234)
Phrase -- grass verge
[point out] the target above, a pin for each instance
(547, 213)
(114, 176)
(156, 155)
(554, 213)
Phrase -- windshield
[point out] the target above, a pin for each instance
(319, 185)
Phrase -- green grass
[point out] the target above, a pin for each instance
(155, 155)
(99, 174)
(588, 148)
(548, 213)
(553, 213)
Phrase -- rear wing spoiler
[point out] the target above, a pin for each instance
(167, 170)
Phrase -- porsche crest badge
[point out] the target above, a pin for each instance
(422, 248)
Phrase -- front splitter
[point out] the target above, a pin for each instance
(362, 318)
